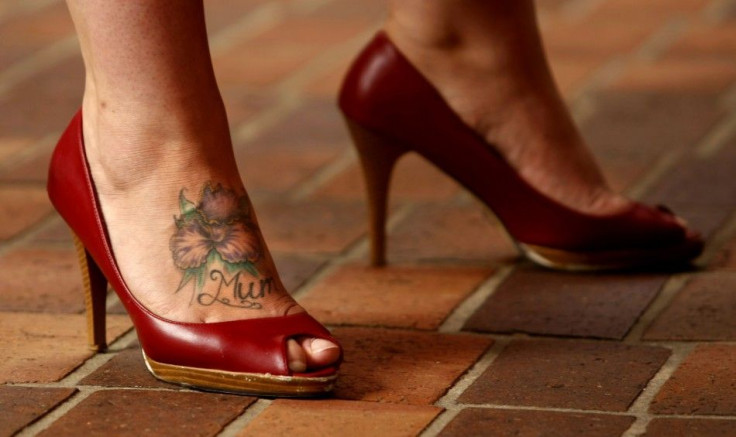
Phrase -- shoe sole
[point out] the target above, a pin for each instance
(608, 260)
(257, 384)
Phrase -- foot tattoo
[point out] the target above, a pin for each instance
(217, 246)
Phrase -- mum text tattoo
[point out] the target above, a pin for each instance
(217, 240)
(244, 296)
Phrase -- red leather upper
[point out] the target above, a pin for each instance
(252, 346)
(384, 92)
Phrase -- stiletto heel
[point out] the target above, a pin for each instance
(240, 356)
(94, 286)
(392, 109)
(378, 155)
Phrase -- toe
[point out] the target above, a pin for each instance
(296, 356)
(690, 233)
(320, 352)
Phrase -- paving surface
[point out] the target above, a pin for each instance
(458, 336)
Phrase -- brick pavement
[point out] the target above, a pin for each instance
(457, 336)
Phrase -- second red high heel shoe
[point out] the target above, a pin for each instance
(244, 356)
(392, 109)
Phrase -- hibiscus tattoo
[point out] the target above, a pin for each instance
(215, 237)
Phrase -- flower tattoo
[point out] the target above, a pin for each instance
(219, 230)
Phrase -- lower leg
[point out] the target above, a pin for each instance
(486, 59)
(149, 82)
(159, 149)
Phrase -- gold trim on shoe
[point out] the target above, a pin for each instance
(256, 384)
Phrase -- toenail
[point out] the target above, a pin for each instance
(319, 345)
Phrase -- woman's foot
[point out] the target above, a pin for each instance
(156, 135)
(183, 231)
(493, 73)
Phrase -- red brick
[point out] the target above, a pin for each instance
(652, 13)
(44, 102)
(673, 427)
(223, 13)
(726, 257)
(295, 269)
(21, 406)
(10, 146)
(144, 412)
(727, 13)
(567, 374)
(278, 171)
(621, 175)
(702, 385)
(54, 232)
(40, 280)
(449, 233)
(368, 11)
(21, 208)
(678, 75)
(405, 297)
(46, 347)
(315, 124)
(700, 181)
(242, 104)
(593, 39)
(311, 227)
(478, 422)
(126, 369)
(33, 169)
(327, 84)
(403, 367)
(629, 131)
(705, 43)
(334, 417)
(571, 72)
(413, 179)
(703, 310)
(549, 303)
(25, 34)
(319, 30)
(275, 63)
(281, 50)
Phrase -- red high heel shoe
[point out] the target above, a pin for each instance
(392, 109)
(244, 356)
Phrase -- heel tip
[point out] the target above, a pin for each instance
(97, 347)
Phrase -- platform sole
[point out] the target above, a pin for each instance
(257, 384)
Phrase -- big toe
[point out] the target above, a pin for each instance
(311, 353)
(320, 352)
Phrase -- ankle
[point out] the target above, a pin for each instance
(164, 116)
(129, 143)
(483, 78)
